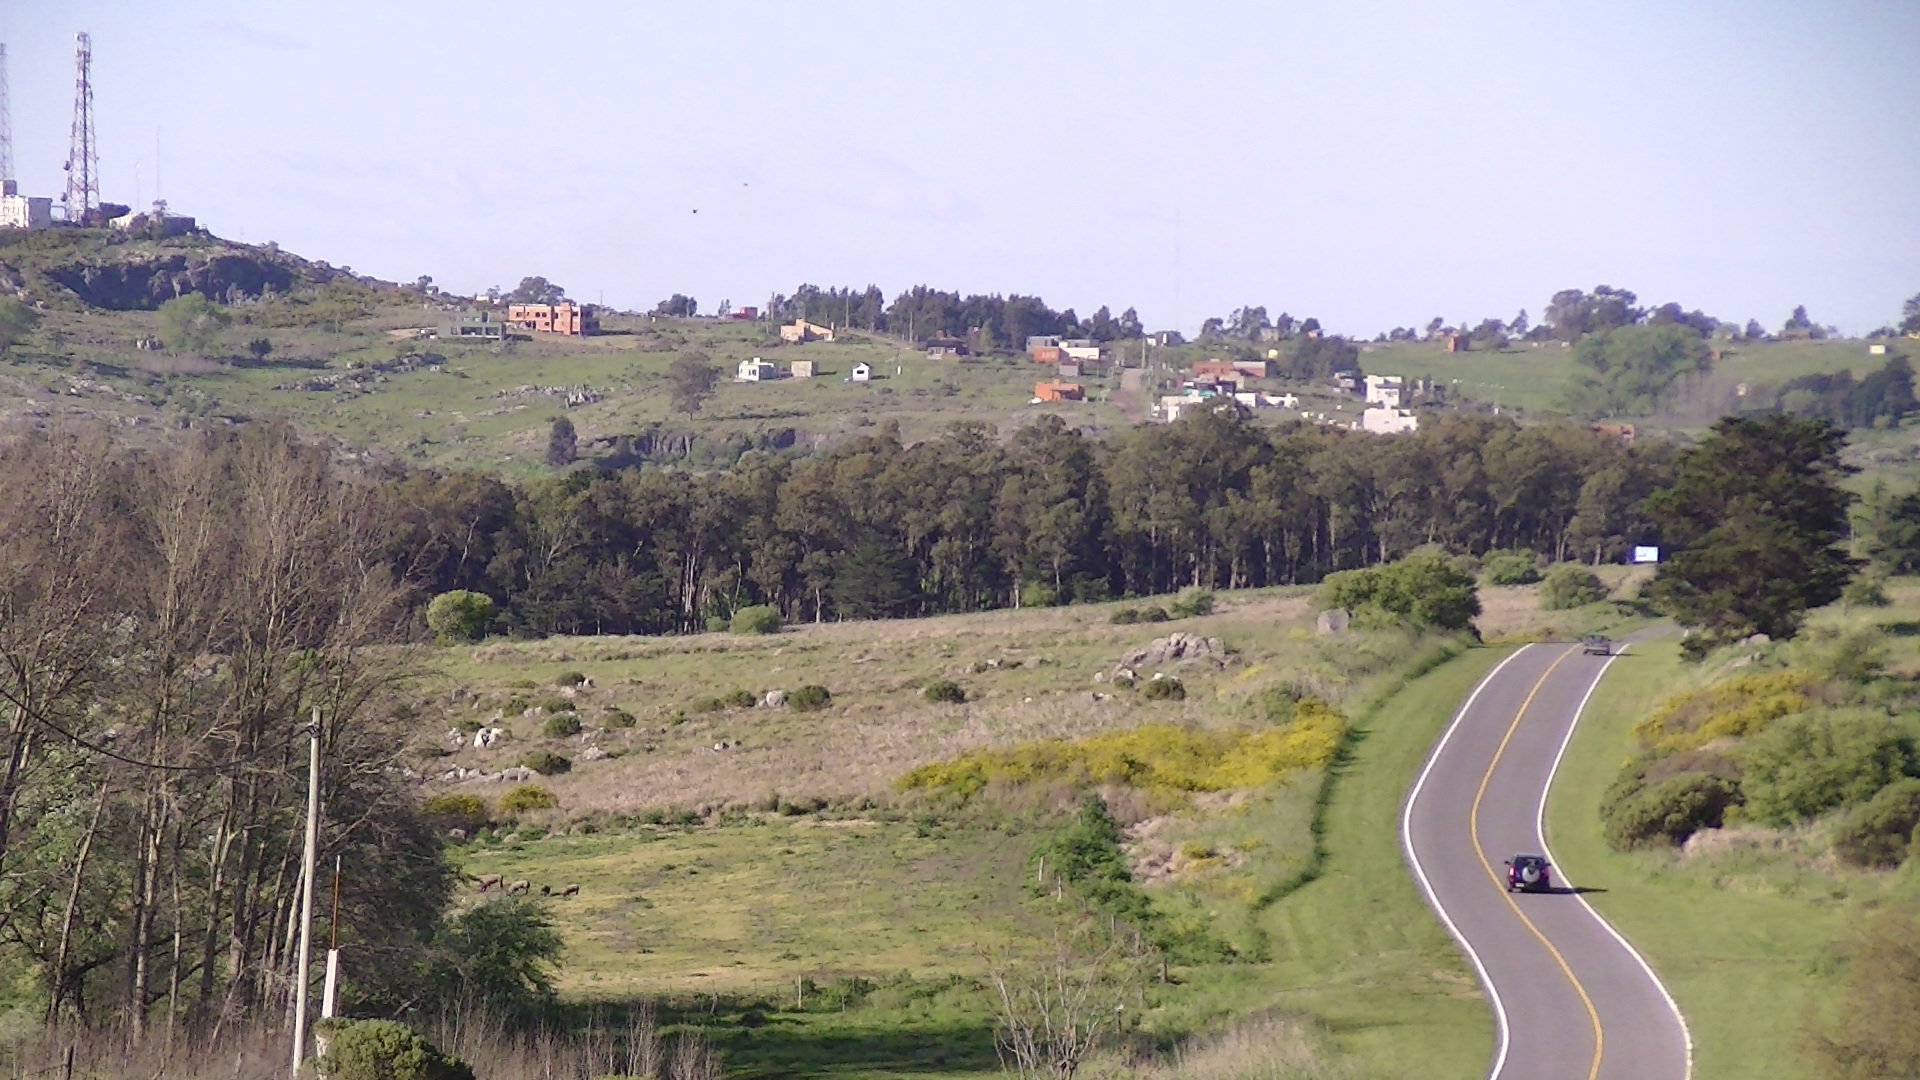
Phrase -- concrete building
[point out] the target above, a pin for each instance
(146, 222)
(19, 211)
(1385, 390)
(756, 370)
(1087, 354)
(1043, 341)
(1384, 421)
(1055, 390)
(475, 326)
(565, 318)
(803, 331)
(861, 373)
(801, 369)
(946, 350)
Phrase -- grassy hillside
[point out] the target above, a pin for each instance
(1742, 923)
(759, 870)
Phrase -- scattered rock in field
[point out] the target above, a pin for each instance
(1174, 650)
(1102, 697)
(487, 736)
(456, 736)
(517, 774)
(457, 834)
(1099, 676)
(1332, 621)
(774, 699)
(534, 713)
(1757, 639)
(592, 753)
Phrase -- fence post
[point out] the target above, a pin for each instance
(66, 1063)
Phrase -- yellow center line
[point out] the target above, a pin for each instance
(1473, 825)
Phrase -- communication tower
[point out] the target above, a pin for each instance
(6, 121)
(83, 154)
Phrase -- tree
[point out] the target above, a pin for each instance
(459, 616)
(17, 320)
(1910, 315)
(692, 378)
(536, 290)
(191, 323)
(1754, 331)
(259, 348)
(500, 954)
(1518, 327)
(1754, 517)
(1632, 370)
(563, 444)
(1797, 321)
(384, 1050)
(1893, 535)
(1872, 1035)
(677, 306)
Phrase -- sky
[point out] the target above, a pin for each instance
(1374, 163)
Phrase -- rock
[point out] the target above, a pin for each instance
(454, 735)
(457, 834)
(486, 737)
(1099, 676)
(592, 753)
(1102, 697)
(774, 699)
(1331, 621)
(517, 774)
(1175, 650)
(1757, 639)
(533, 713)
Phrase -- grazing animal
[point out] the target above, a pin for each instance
(571, 890)
(488, 881)
(520, 886)
(546, 890)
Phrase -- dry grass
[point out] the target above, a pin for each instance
(1263, 1047)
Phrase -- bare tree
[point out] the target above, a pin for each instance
(1054, 1010)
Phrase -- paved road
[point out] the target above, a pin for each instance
(1571, 998)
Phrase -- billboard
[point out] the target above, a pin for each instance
(1646, 554)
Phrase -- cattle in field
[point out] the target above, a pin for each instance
(520, 886)
(546, 890)
(487, 881)
(571, 890)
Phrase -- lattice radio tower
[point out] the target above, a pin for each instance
(83, 154)
(6, 121)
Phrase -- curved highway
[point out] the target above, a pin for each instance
(1571, 999)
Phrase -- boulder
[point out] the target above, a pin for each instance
(592, 753)
(1331, 621)
(1176, 650)
(774, 699)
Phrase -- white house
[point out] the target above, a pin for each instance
(862, 372)
(1388, 421)
(19, 211)
(1086, 354)
(757, 370)
(1385, 390)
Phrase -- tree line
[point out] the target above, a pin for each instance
(968, 521)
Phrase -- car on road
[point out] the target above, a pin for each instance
(1596, 645)
(1529, 873)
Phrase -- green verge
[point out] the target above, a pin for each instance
(1356, 946)
(1744, 962)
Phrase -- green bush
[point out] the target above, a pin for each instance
(570, 678)
(384, 1050)
(618, 718)
(1668, 812)
(1193, 602)
(1867, 590)
(1422, 589)
(558, 705)
(457, 810)
(1877, 833)
(459, 616)
(547, 763)
(809, 698)
(525, 797)
(1570, 585)
(718, 624)
(1803, 766)
(1510, 568)
(561, 725)
(944, 690)
(1037, 594)
(191, 323)
(759, 619)
(706, 705)
(740, 699)
(1164, 690)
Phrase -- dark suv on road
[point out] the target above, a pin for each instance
(1596, 645)
(1529, 873)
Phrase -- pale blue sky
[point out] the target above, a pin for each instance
(1374, 163)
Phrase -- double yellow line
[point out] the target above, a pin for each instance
(1473, 825)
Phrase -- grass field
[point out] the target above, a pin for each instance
(1745, 939)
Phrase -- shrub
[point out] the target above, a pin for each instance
(1570, 585)
(1193, 602)
(944, 690)
(1735, 708)
(459, 616)
(1669, 811)
(548, 763)
(706, 705)
(558, 705)
(1037, 594)
(759, 619)
(385, 1050)
(570, 678)
(1510, 568)
(740, 699)
(1421, 589)
(1154, 614)
(457, 810)
(1164, 690)
(809, 698)
(1877, 834)
(525, 797)
(1803, 766)
(1866, 590)
(718, 624)
(619, 718)
(1126, 616)
(561, 725)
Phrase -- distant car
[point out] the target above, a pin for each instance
(1596, 645)
(1529, 873)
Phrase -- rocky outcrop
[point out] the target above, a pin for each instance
(142, 284)
(1176, 650)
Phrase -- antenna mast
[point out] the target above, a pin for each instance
(83, 153)
(6, 121)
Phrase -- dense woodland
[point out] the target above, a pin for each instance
(969, 521)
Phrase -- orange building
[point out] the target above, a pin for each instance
(1058, 391)
(1047, 354)
(566, 318)
(1216, 369)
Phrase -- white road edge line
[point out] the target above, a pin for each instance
(1420, 873)
(1540, 831)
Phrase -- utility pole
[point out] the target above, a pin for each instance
(83, 152)
(306, 894)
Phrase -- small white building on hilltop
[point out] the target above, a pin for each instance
(1386, 421)
(861, 372)
(757, 370)
(19, 211)
(1385, 390)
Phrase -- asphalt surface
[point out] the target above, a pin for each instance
(1571, 998)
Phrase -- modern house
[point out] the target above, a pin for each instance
(1385, 390)
(566, 318)
(946, 349)
(475, 326)
(756, 370)
(803, 331)
(1385, 421)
